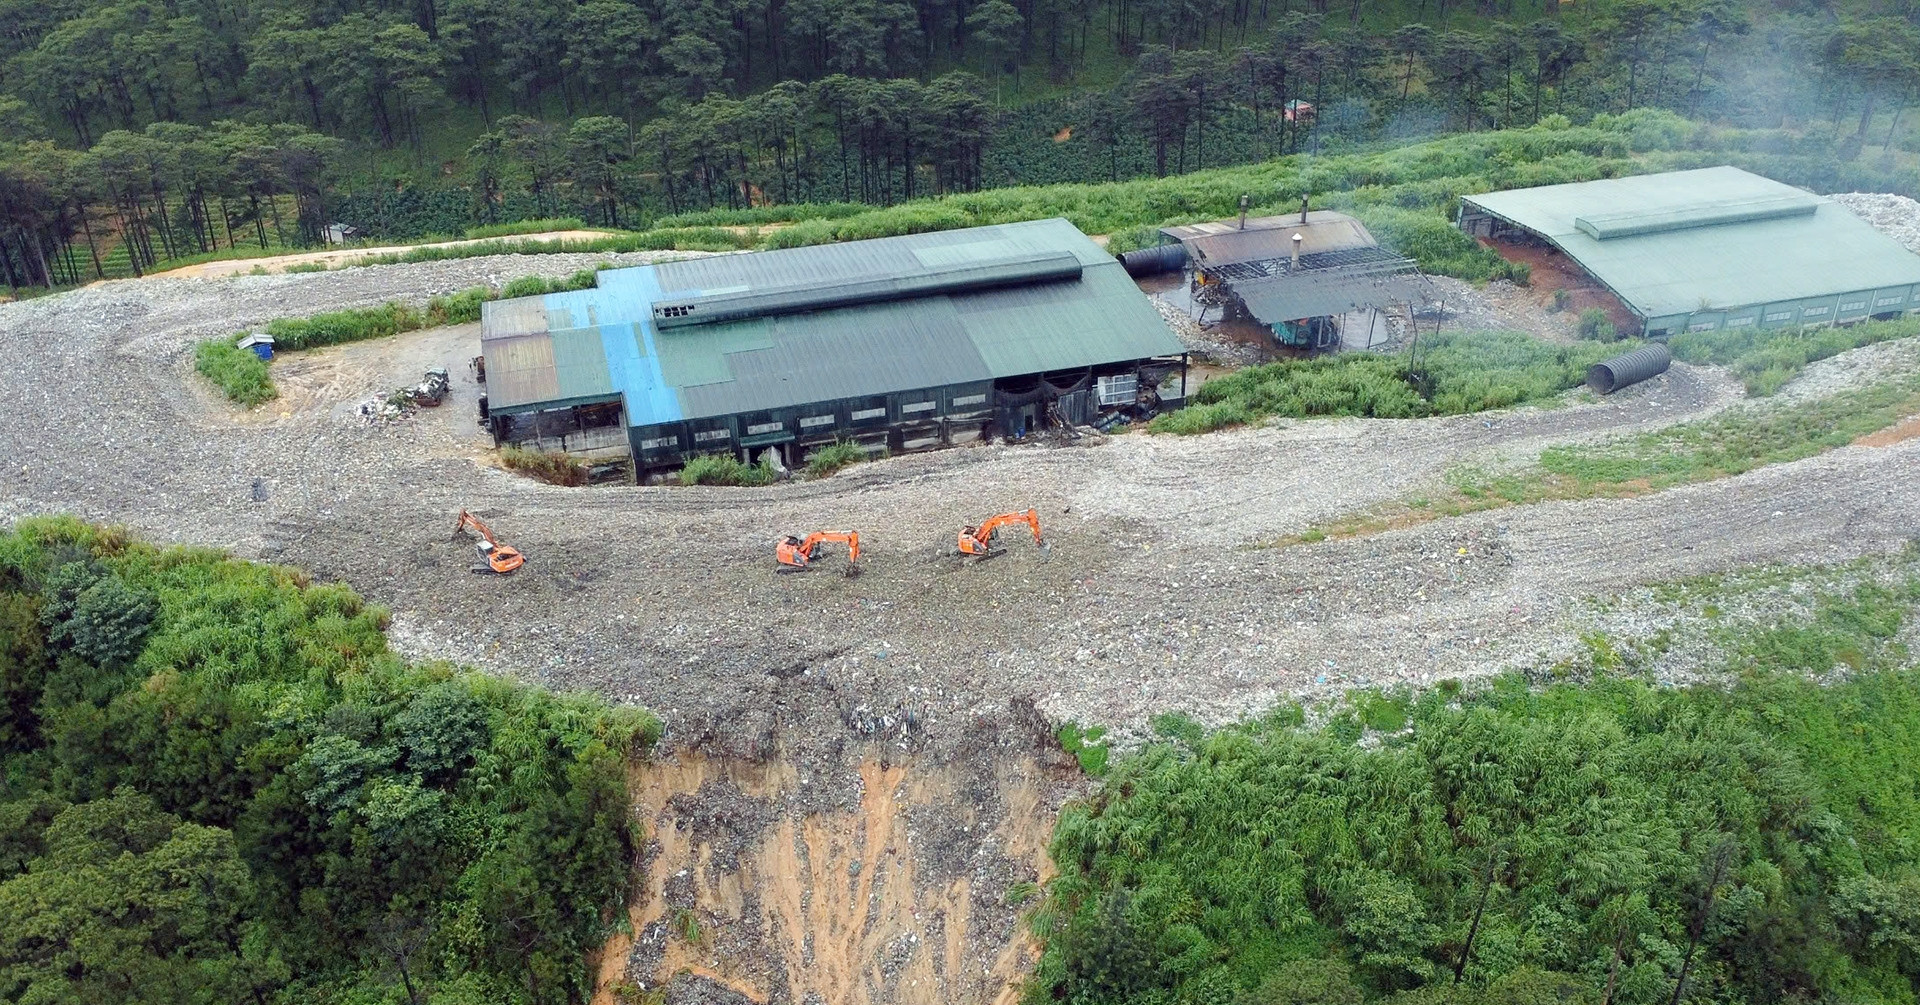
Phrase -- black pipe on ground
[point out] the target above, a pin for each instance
(1610, 375)
(1155, 260)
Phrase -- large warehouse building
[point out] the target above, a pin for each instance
(902, 342)
(1710, 248)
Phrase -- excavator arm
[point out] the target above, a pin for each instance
(981, 541)
(794, 553)
(499, 558)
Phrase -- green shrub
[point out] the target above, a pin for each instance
(1593, 324)
(300, 267)
(553, 467)
(246, 725)
(238, 372)
(823, 461)
(724, 469)
(1271, 862)
(525, 286)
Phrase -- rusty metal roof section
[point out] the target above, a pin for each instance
(1226, 242)
(546, 370)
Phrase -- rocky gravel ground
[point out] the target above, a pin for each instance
(1159, 592)
(1156, 594)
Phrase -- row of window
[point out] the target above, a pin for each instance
(873, 412)
(1819, 313)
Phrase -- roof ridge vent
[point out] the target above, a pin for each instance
(1635, 222)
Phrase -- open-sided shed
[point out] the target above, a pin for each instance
(1710, 248)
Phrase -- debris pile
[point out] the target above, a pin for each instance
(1896, 216)
(402, 402)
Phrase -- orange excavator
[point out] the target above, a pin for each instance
(983, 541)
(796, 554)
(498, 558)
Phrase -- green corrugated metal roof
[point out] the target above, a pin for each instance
(1709, 239)
(828, 354)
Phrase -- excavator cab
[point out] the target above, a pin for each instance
(495, 558)
(984, 541)
(795, 554)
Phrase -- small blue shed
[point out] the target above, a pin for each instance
(260, 342)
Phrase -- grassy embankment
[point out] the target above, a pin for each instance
(1515, 844)
(1735, 442)
(1406, 195)
(1455, 373)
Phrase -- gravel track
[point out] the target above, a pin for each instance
(1153, 597)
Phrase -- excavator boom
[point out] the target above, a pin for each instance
(982, 541)
(794, 553)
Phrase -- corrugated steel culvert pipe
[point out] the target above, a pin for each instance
(1155, 260)
(1608, 376)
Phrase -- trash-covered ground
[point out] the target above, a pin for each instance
(827, 700)
(1152, 598)
(1894, 215)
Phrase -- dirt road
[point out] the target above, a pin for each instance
(347, 256)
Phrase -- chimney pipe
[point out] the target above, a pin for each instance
(1303, 209)
(1296, 251)
(1246, 200)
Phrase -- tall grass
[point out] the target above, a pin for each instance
(1765, 359)
(724, 469)
(552, 467)
(1455, 372)
(239, 373)
(359, 324)
(524, 227)
(824, 461)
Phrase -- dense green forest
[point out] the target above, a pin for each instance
(218, 785)
(135, 131)
(1586, 838)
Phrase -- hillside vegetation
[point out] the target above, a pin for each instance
(132, 134)
(1598, 842)
(218, 785)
